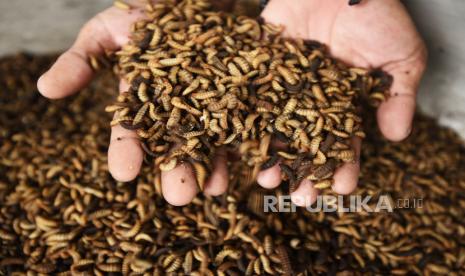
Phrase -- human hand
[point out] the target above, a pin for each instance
(372, 34)
(109, 30)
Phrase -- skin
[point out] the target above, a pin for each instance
(372, 34)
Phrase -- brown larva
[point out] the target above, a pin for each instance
(140, 114)
(255, 201)
(131, 247)
(188, 262)
(339, 133)
(290, 106)
(140, 266)
(266, 264)
(237, 124)
(333, 109)
(132, 231)
(318, 127)
(168, 166)
(214, 126)
(212, 41)
(215, 61)
(309, 113)
(201, 39)
(178, 102)
(115, 108)
(259, 59)
(170, 61)
(6, 236)
(175, 117)
(201, 173)
(173, 74)
(323, 184)
(233, 70)
(315, 144)
(302, 59)
(109, 267)
(345, 155)
(323, 170)
(272, 95)
(243, 64)
(192, 87)
(349, 125)
(318, 93)
(376, 98)
(175, 265)
(320, 158)
(166, 18)
(268, 245)
(121, 5)
(287, 75)
(289, 173)
(185, 76)
(215, 70)
(44, 223)
(276, 85)
(156, 37)
(243, 28)
(280, 123)
(44, 268)
(94, 63)
(284, 258)
(263, 80)
(158, 72)
(227, 253)
(202, 95)
(331, 74)
(327, 143)
(273, 160)
(360, 134)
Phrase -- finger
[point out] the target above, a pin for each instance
(346, 177)
(270, 178)
(124, 153)
(217, 184)
(396, 114)
(395, 117)
(305, 195)
(179, 186)
(72, 72)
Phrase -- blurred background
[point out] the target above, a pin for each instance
(48, 26)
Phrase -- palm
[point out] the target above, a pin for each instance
(368, 35)
(372, 34)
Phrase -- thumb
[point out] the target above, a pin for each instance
(395, 115)
(72, 71)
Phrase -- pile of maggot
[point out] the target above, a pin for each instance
(61, 213)
(201, 79)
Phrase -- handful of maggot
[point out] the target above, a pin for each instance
(201, 79)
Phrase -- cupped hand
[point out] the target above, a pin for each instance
(375, 34)
(110, 30)
(372, 34)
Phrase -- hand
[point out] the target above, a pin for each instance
(109, 30)
(372, 34)
(71, 72)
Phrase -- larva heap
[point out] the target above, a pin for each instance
(78, 220)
